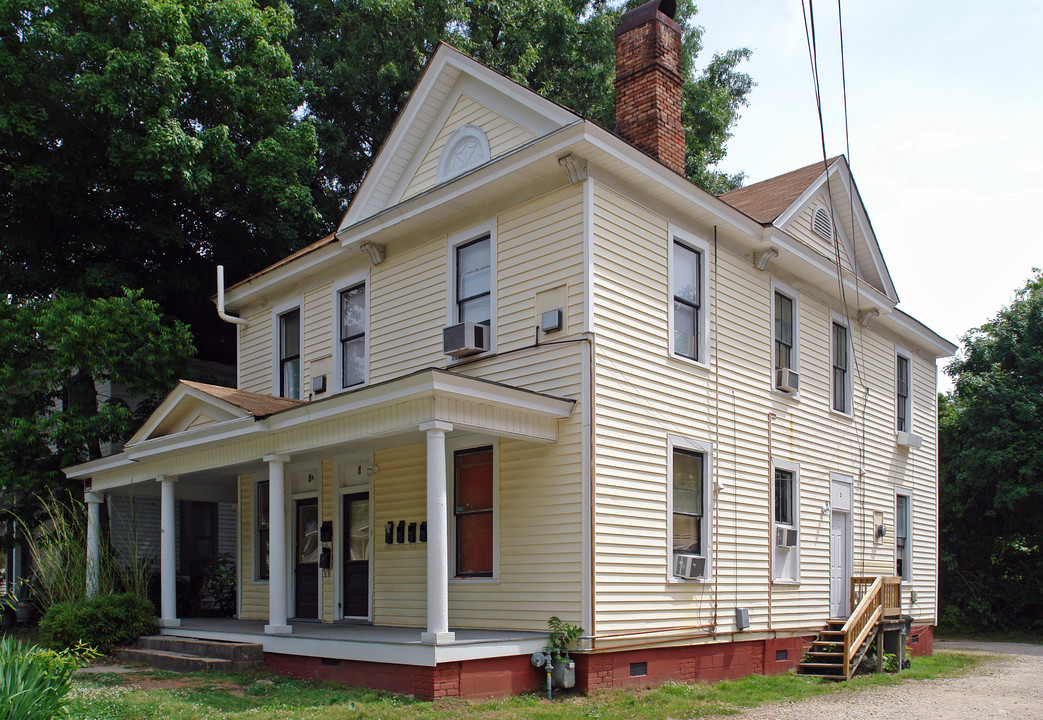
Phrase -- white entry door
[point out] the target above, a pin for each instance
(839, 570)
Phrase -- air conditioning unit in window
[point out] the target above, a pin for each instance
(466, 338)
(785, 537)
(786, 380)
(690, 567)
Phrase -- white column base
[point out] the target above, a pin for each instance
(168, 622)
(278, 630)
(437, 638)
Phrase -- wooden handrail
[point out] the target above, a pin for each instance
(864, 617)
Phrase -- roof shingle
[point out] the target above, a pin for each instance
(766, 200)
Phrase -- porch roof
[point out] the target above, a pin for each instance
(380, 415)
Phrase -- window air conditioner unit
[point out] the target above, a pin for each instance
(466, 338)
(690, 567)
(787, 380)
(785, 537)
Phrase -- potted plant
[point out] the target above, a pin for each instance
(562, 636)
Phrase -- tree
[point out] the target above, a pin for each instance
(56, 356)
(144, 141)
(992, 472)
(357, 62)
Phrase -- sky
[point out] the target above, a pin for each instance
(945, 117)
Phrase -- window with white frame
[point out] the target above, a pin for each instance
(903, 536)
(785, 534)
(785, 332)
(474, 511)
(784, 500)
(903, 393)
(689, 297)
(289, 347)
(473, 294)
(261, 570)
(840, 355)
(352, 335)
(689, 508)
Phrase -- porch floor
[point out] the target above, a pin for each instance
(367, 643)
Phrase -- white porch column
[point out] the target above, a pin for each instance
(167, 557)
(437, 536)
(277, 578)
(94, 501)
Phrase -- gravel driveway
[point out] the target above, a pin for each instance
(1012, 688)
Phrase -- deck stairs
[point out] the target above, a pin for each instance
(181, 654)
(839, 648)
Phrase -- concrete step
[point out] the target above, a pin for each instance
(190, 655)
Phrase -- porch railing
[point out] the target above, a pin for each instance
(865, 615)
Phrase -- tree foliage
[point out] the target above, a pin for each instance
(992, 472)
(58, 358)
(143, 141)
(358, 61)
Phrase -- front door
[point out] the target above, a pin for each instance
(306, 559)
(839, 571)
(356, 550)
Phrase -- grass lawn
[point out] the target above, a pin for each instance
(169, 696)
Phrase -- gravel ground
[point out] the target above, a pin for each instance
(1011, 688)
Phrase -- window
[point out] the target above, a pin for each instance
(783, 332)
(690, 530)
(687, 290)
(262, 529)
(474, 281)
(903, 395)
(290, 354)
(903, 549)
(352, 334)
(840, 389)
(473, 511)
(784, 514)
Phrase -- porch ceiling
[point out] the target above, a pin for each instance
(381, 415)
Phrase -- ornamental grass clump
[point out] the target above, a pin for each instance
(34, 681)
(104, 622)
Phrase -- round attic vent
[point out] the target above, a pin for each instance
(822, 224)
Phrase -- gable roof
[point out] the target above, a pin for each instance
(766, 200)
(257, 404)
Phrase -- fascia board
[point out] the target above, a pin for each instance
(242, 293)
(452, 190)
(170, 402)
(908, 326)
(206, 435)
(93, 467)
(653, 172)
(805, 197)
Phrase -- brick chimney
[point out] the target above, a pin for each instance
(648, 82)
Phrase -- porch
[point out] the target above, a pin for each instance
(364, 643)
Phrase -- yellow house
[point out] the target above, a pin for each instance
(536, 372)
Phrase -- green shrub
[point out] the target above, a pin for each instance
(34, 682)
(105, 622)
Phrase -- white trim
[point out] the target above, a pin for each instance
(844, 481)
(779, 553)
(678, 442)
(587, 529)
(588, 257)
(452, 446)
(849, 398)
(278, 311)
(908, 559)
(777, 286)
(459, 136)
(358, 278)
(475, 232)
(702, 248)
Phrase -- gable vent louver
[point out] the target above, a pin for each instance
(822, 224)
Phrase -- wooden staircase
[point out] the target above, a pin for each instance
(839, 648)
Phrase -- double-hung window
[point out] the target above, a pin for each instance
(689, 527)
(903, 548)
(841, 377)
(474, 281)
(784, 514)
(688, 295)
(290, 354)
(783, 332)
(352, 335)
(903, 395)
(262, 530)
(473, 512)
(785, 537)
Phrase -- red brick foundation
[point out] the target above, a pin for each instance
(921, 639)
(492, 677)
(693, 663)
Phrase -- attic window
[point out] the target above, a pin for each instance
(822, 224)
(466, 148)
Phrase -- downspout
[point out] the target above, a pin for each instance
(221, 300)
